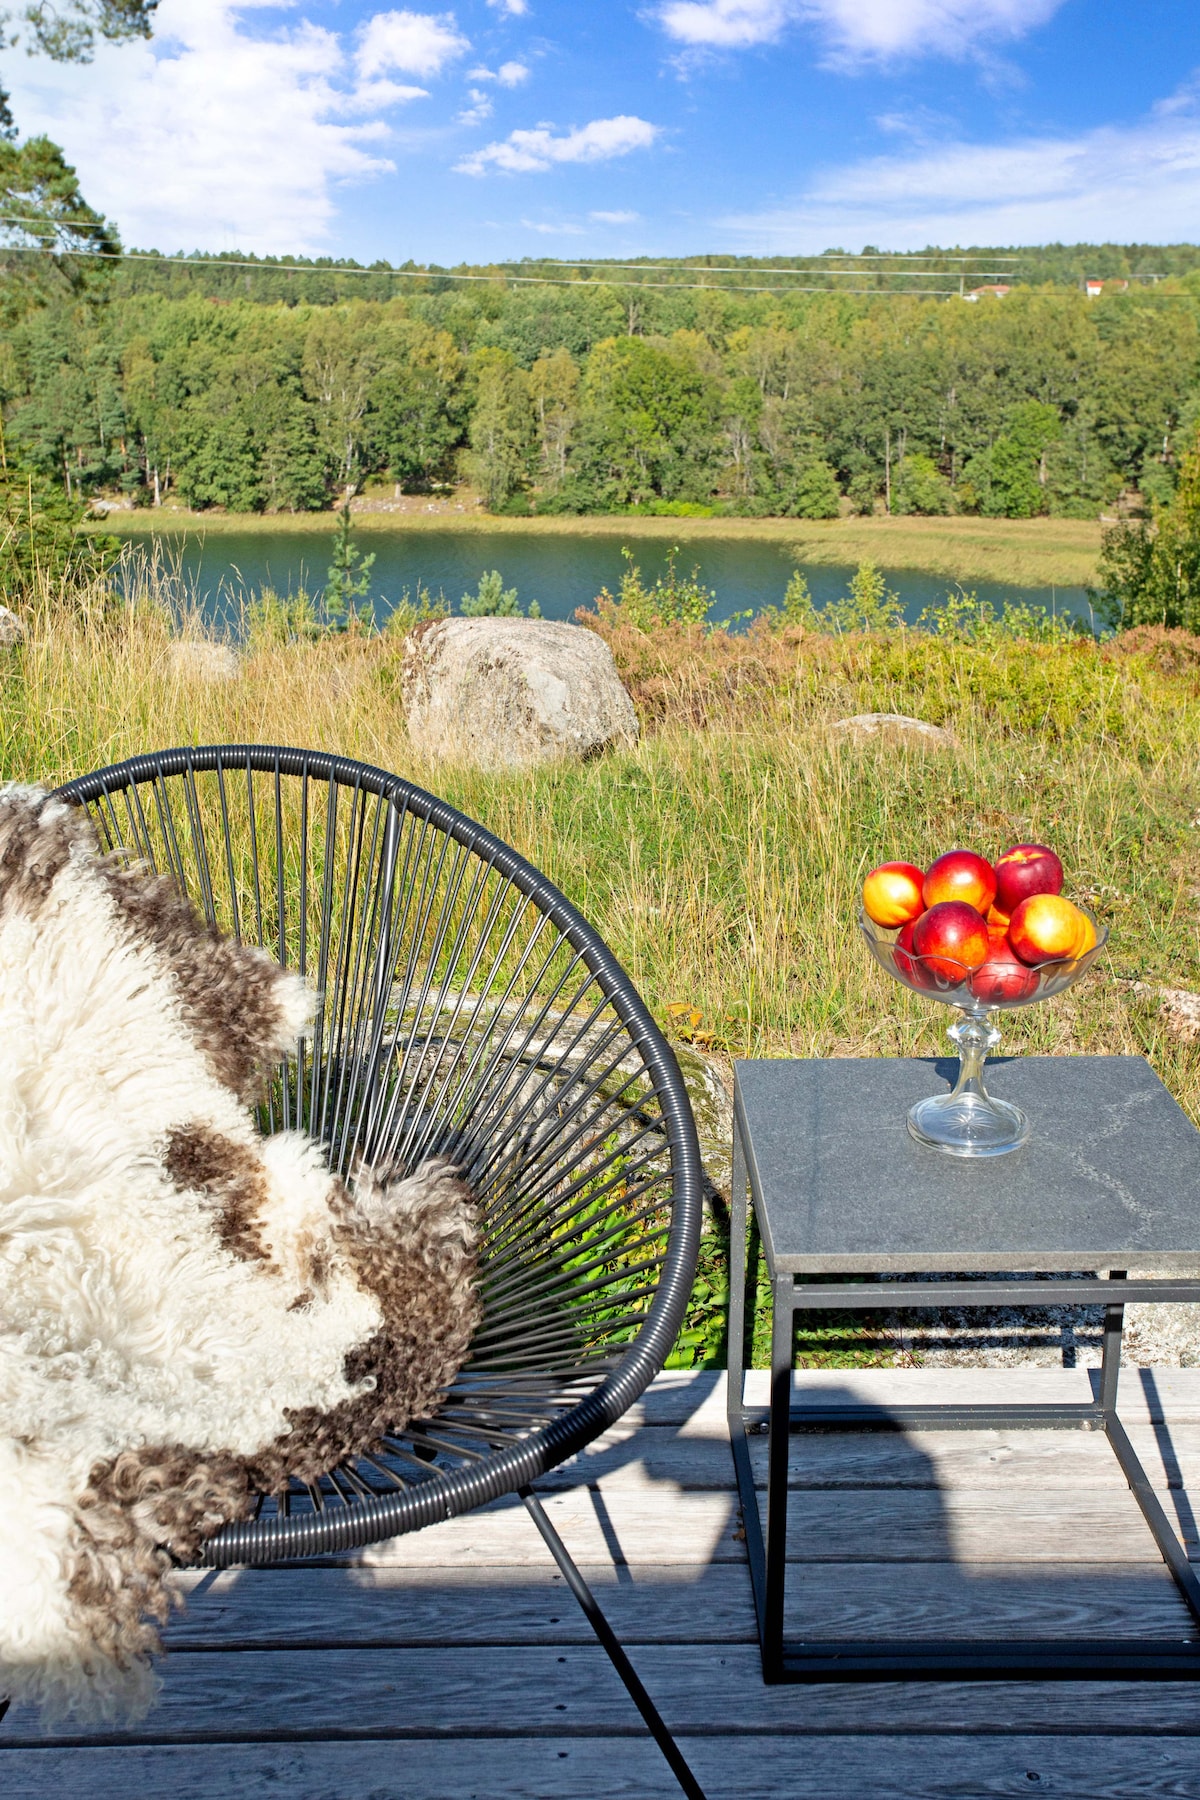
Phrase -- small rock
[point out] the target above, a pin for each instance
(509, 692)
(12, 631)
(199, 661)
(896, 726)
(1178, 1008)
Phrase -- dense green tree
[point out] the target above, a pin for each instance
(1150, 572)
(501, 425)
(417, 405)
(650, 425)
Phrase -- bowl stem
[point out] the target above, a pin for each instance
(968, 1121)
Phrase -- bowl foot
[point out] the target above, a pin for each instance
(968, 1124)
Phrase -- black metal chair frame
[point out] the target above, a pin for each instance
(414, 1053)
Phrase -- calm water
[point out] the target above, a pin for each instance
(561, 573)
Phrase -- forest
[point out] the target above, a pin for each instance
(664, 387)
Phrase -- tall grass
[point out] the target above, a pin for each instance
(721, 857)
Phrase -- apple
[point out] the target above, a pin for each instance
(997, 920)
(953, 939)
(1049, 928)
(1003, 979)
(892, 894)
(1024, 870)
(960, 875)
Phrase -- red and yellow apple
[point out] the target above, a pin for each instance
(962, 876)
(1049, 928)
(1025, 870)
(1003, 979)
(892, 894)
(953, 939)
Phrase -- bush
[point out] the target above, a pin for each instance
(1150, 573)
(918, 486)
(492, 600)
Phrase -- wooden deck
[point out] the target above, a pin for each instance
(452, 1664)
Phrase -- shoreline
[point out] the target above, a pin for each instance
(1046, 553)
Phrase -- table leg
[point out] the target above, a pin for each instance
(735, 1391)
(782, 1334)
(1110, 1366)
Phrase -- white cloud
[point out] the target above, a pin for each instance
(615, 218)
(415, 43)
(479, 109)
(509, 74)
(514, 8)
(552, 230)
(855, 30)
(523, 151)
(1138, 182)
(209, 137)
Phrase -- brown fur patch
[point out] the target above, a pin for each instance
(228, 991)
(420, 1265)
(230, 1176)
(133, 1506)
(37, 836)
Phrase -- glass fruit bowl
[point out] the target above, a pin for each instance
(968, 1121)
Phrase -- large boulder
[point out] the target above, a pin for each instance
(513, 691)
(12, 631)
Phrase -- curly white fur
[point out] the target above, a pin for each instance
(146, 1346)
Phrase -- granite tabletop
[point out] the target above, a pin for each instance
(1109, 1178)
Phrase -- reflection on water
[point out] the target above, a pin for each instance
(559, 572)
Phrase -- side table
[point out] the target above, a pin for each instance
(1110, 1176)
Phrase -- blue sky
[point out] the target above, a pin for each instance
(502, 128)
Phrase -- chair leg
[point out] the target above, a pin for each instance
(616, 1655)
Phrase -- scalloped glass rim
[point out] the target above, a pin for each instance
(1053, 977)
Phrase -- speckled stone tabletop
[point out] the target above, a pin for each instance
(1110, 1176)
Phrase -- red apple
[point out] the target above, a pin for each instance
(1003, 978)
(1024, 870)
(953, 939)
(1048, 928)
(960, 875)
(892, 894)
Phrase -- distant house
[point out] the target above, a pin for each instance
(996, 288)
(1094, 286)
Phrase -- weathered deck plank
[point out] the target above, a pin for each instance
(569, 1691)
(835, 1768)
(398, 1607)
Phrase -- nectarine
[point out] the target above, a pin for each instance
(1024, 870)
(1048, 928)
(892, 894)
(953, 939)
(1003, 978)
(907, 962)
(960, 875)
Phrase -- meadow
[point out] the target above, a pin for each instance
(721, 857)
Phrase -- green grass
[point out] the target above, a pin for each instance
(721, 857)
(1025, 552)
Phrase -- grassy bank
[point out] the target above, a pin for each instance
(1026, 552)
(721, 858)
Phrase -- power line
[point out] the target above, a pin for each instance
(221, 262)
(391, 273)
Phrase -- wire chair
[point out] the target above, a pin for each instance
(466, 1010)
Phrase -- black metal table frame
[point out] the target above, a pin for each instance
(899, 1659)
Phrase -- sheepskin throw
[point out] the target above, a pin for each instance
(189, 1312)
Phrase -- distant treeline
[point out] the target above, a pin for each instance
(671, 389)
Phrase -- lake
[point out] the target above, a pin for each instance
(560, 572)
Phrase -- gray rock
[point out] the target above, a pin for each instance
(1178, 1008)
(895, 726)
(509, 692)
(712, 1104)
(12, 631)
(197, 660)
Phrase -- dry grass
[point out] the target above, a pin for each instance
(721, 858)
